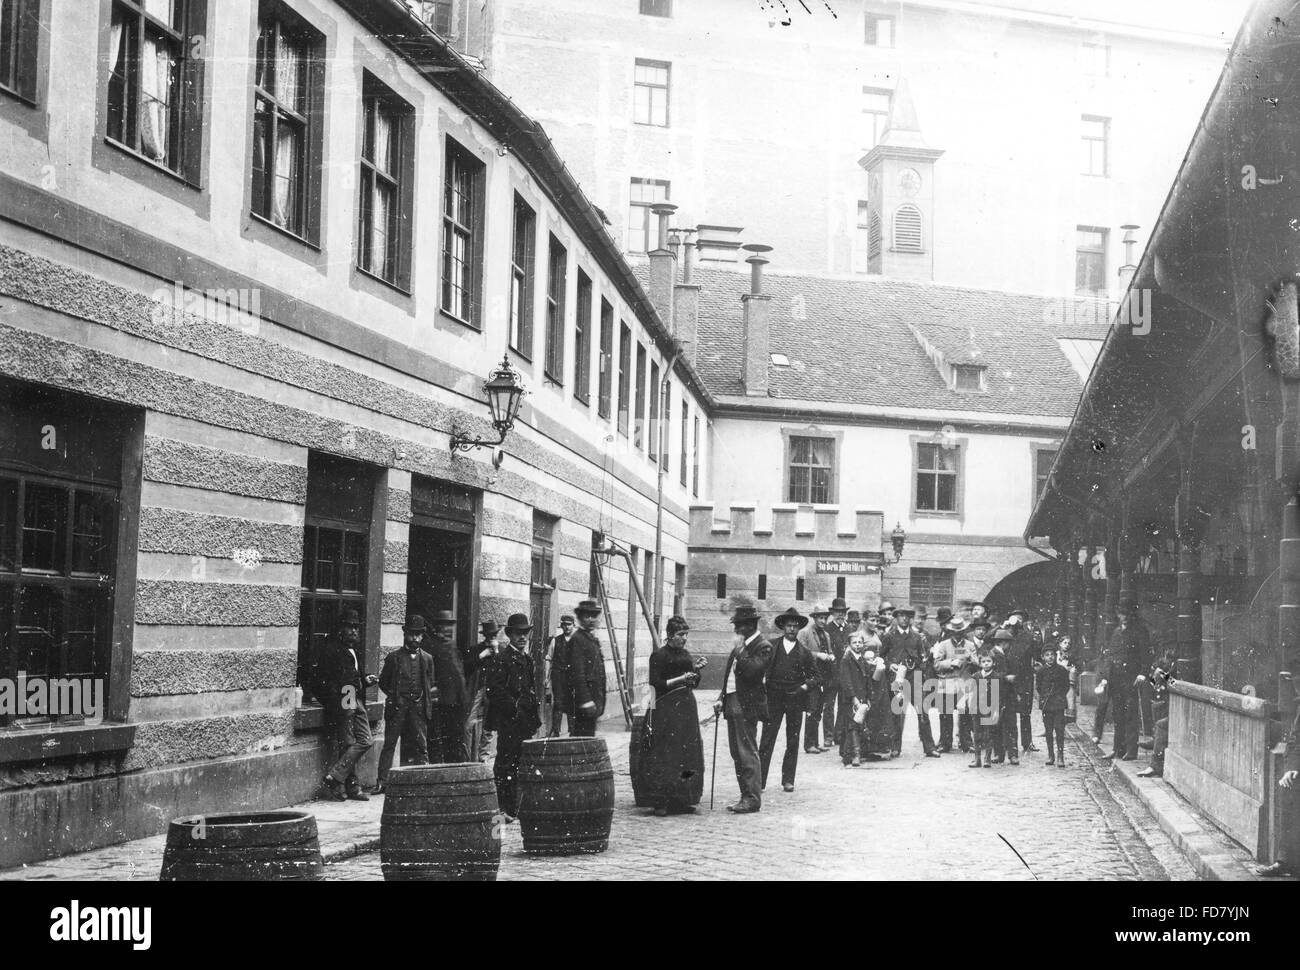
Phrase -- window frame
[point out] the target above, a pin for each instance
(695, 459)
(981, 375)
(523, 244)
(1088, 51)
(1091, 141)
(1035, 450)
(461, 164)
(656, 3)
(1102, 251)
(871, 37)
(624, 378)
(862, 237)
(651, 87)
(652, 417)
(959, 490)
(638, 419)
(647, 231)
(605, 385)
(557, 278)
(895, 247)
(186, 111)
(22, 47)
(586, 293)
(686, 429)
(930, 574)
(883, 116)
(378, 96)
(789, 436)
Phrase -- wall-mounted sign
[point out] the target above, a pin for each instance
(443, 500)
(846, 567)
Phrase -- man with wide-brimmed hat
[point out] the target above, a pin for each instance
(791, 675)
(838, 631)
(447, 726)
(1127, 656)
(341, 689)
(512, 710)
(475, 661)
(906, 652)
(409, 686)
(585, 679)
(948, 659)
(743, 700)
(818, 638)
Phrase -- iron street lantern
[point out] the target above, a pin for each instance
(505, 393)
(898, 537)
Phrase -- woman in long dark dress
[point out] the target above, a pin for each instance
(674, 763)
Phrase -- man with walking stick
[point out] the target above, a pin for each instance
(743, 701)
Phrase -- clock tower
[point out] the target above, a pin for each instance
(900, 195)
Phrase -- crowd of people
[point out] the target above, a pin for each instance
(837, 679)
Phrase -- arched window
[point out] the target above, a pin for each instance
(907, 228)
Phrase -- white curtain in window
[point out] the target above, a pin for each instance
(383, 143)
(156, 96)
(284, 203)
(115, 43)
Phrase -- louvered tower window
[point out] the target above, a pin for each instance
(907, 229)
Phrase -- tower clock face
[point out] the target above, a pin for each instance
(909, 181)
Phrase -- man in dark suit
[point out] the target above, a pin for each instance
(791, 676)
(743, 701)
(557, 669)
(1127, 656)
(475, 662)
(826, 636)
(341, 690)
(585, 679)
(1021, 653)
(512, 710)
(409, 686)
(903, 646)
(447, 726)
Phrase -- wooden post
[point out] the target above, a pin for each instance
(1288, 611)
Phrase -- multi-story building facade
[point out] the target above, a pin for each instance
(1059, 123)
(848, 410)
(258, 258)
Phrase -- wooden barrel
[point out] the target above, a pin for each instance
(440, 824)
(636, 768)
(257, 846)
(566, 796)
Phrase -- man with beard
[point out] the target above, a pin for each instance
(818, 638)
(903, 647)
(791, 675)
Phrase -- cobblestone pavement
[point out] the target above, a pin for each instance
(909, 818)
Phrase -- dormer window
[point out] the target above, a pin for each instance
(967, 377)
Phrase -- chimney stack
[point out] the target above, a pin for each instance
(663, 266)
(1129, 268)
(686, 298)
(757, 323)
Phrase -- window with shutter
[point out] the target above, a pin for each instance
(907, 229)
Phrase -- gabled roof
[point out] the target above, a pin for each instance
(851, 341)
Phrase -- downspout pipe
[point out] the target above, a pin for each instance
(659, 492)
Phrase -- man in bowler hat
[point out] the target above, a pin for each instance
(341, 689)
(408, 684)
(557, 667)
(903, 647)
(585, 679)
(743, 701)
(1127, 656)
(512, 710)
(447, 727)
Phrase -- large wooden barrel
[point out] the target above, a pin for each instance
(566, 796)
(636, 767)
(440, 824)
(257, 846)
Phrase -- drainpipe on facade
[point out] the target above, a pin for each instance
(659, 499)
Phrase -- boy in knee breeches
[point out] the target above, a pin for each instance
(1053, 692)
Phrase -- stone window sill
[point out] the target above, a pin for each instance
(43, 744)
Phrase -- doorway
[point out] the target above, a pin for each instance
(438, 576)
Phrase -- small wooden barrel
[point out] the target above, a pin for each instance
(258, 846)
(566, 796)
(636, 768)
(440, 824)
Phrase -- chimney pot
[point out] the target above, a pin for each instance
(664, 210)
(757, 261)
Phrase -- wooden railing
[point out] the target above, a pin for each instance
(1219, 760)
